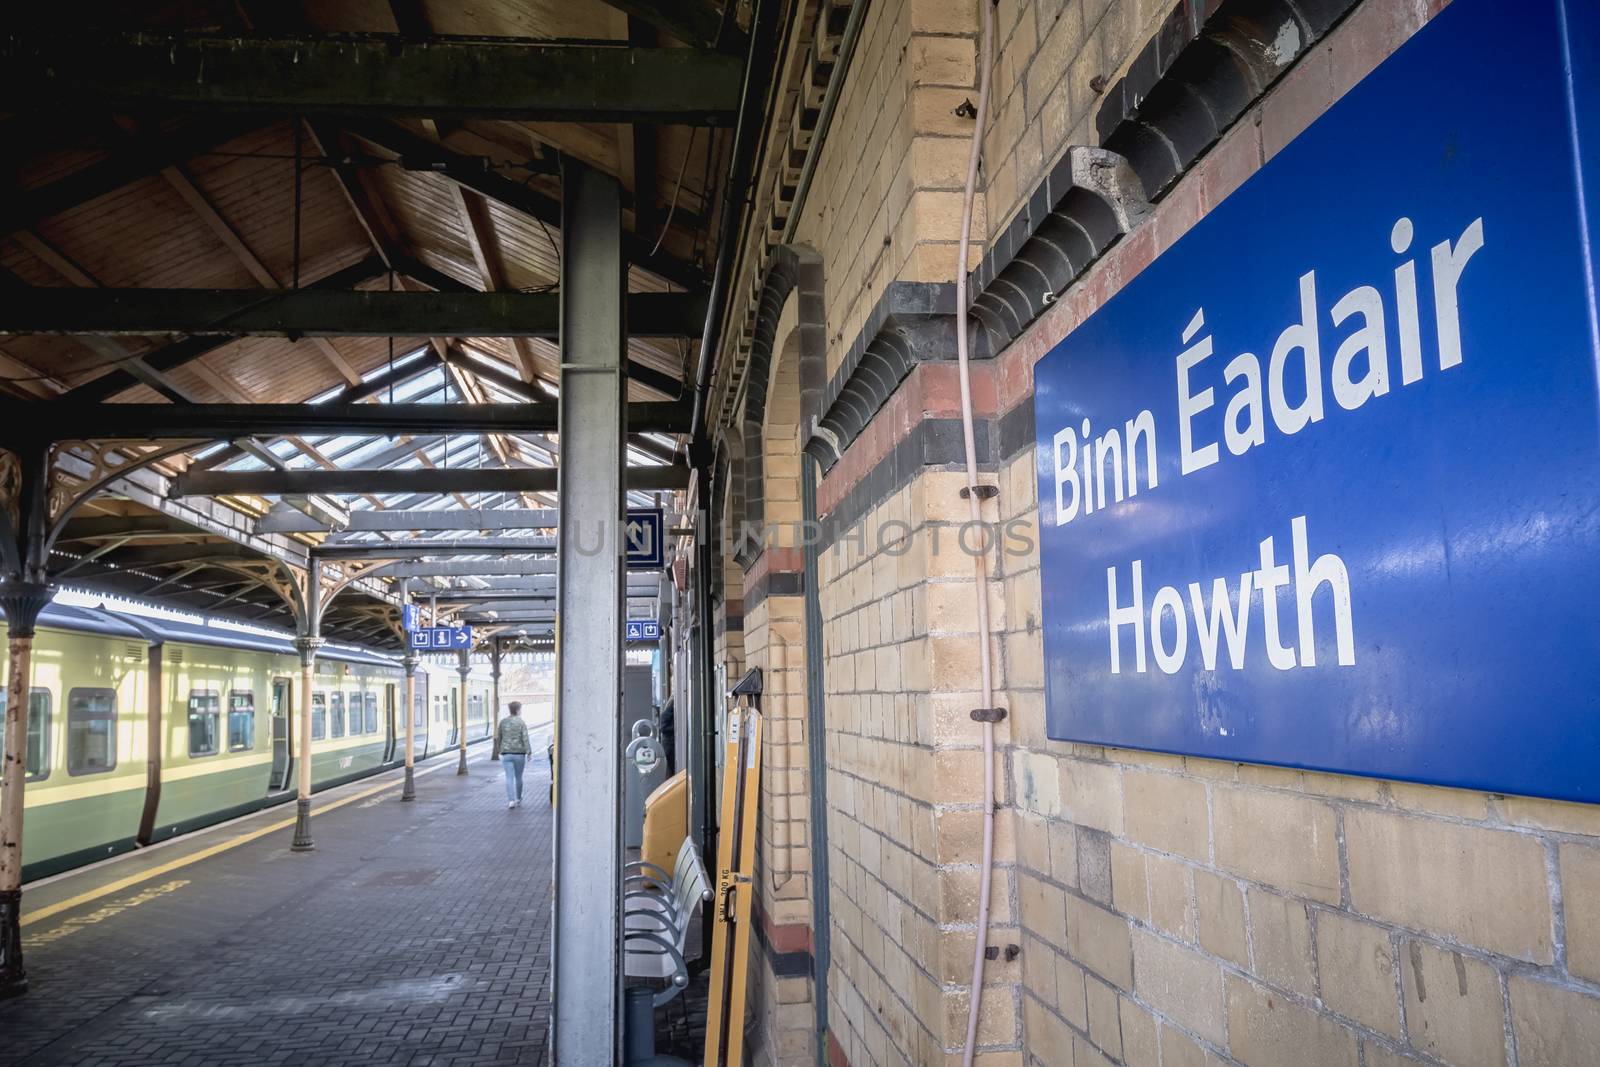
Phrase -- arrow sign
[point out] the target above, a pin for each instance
(644, 537)
(441, 637)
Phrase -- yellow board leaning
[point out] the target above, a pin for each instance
(730, 937)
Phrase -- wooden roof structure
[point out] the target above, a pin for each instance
(294, 154)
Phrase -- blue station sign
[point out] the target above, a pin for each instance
(441, 637)
(1321, 486)
(644, 539)
(642, 630)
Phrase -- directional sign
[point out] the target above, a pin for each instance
(643, 630)
(645, 539)
(408, 617)
(441, 637)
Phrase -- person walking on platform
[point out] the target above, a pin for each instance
(512, 739)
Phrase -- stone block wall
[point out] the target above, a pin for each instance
(1185, 911)
(1164, 910)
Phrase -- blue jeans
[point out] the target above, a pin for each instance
(513, 762)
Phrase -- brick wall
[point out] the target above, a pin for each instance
(775, 641)
(1048, 55)
(1168, 910)
(885, 202)
(1177, 910)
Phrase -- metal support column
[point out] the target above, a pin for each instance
(307, 646)
(464, 667)
(409, 790)
(589, 591)
(494, 704)
(23, 594)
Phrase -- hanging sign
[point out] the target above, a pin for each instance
(1321, 486)
(642, 630)
(644, 537)
(441, 637)
(408, 617)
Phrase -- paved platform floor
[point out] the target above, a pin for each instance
(416, 933)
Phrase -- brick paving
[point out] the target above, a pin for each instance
(414, 934)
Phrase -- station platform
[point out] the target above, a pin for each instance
(415, 933)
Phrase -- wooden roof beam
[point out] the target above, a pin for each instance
(315, 312)
(23, 421)
(179, 353)
(690, 21)
(180, 180)
(469, 171)
(436, 77)
(456, 480)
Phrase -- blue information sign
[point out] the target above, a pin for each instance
(441, 637)
(645, 539)
(642, 630)
(1321, 486)
(408, 617)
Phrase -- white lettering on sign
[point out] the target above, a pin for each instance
(1220, 619)
(1333, 357)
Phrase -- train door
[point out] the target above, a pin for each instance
(281, 737)
(388, 721)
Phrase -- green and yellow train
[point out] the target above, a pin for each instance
(142, 728)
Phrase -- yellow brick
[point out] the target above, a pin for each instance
(1091, 794)
(1221, 917)
(1098, 939)
(1267, 1030)
(1483, 887)
(1166, 812)
(1285, 841)
(1139, 1041)
(1280, 930)
(1071, 1000)
(1043, 910)
(1355, 962)
(1180, 984)
(1178, 1050)
(942, 61)
(1038, 779)
(1552, 815)
(1454, 1009)
(1554, 1027)
(1580, 892)
(1130, 892)
(1171, 896)
(1460, 803)
(1042, 1028)
(1064, 853)
(1105, 1026)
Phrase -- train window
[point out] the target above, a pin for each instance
(336, 705)
(241, 720)
(421, 703)
(319, 716)
(205, 709)
(91, 730)
(370, 712)
(37, 760)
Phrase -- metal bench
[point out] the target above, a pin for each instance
(657, 908)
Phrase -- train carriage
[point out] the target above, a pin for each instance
(142, 728)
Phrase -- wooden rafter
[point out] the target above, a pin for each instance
(180, 180)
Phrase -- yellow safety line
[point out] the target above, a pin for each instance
(155, 872)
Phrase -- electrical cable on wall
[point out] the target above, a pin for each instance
(974, 497)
